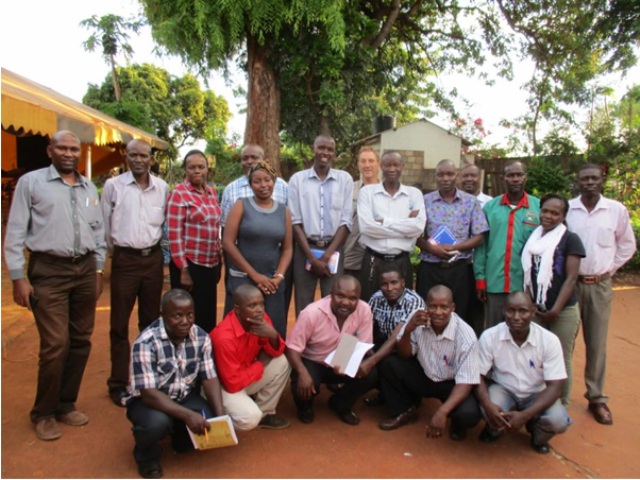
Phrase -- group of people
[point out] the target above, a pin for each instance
(520, 275)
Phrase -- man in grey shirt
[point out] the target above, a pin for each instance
(56, 215)
(320, 200)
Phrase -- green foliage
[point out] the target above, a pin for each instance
(547, 176)
(111, 33)
(633, 265)
(173, 108)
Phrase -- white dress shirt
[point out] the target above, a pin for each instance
(522, 370)
(483, 198)
(385, 225)
(606, 234)
(133, 217)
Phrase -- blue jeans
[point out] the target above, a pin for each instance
(544, 426)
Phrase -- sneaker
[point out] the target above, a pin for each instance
(73, 418)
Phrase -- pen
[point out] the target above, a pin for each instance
(206, 432)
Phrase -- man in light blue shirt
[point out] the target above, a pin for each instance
(321, 204)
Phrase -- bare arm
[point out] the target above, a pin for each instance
(544, 400)
(212, 391)
(306, 389)
(154, 398)
(567, 289)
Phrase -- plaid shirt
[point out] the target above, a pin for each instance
(193, 221)
(156, 362)
(240, 188)
(388, 317)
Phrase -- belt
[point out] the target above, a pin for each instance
(594, 278)
(144, 252)
(56, 258)
(386, 258)
(319, 243)
(453, 264)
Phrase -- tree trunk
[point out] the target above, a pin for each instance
(114, 76)
(325, 126)
(263, 104)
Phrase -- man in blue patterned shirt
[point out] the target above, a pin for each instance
(448, 264)
(170, 359)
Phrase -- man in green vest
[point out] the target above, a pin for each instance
(497, 265)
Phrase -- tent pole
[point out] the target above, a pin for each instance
(88, 166)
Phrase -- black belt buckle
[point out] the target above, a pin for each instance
(77, 258)
(145, 252)
(389, 258)
(321, 244)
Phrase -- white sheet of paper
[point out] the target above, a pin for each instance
(355, 360)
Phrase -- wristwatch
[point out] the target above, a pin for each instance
(278, 275)
(100, 271)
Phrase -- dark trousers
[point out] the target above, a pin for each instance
(476, 307)
(204, 292)
(65, 315)
(150, 426)
(343, 399)
(370, 270)
(404, 384)
(132, 277)
(458, 278)
(307, 281)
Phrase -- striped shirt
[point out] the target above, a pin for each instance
(453, 355)
(387, 316)
(240, 188)
(175, 370)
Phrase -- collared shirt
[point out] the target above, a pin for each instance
(316, 333)
(48, 215)
(385, 225)
(353, 249)
(193, 222)
(236, 352)
(497, 263)
(453, 355)
(240, 188)
(321, 206)
(463, 217)
(522, 370)
(483, 198)
(606, 234)
(175, 370)
(133, 218)
(387, 316)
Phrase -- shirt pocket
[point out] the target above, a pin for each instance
(197, 214)
(191, 372)
(605, 237)
(93, 213)
(155, 216)
(166, 372)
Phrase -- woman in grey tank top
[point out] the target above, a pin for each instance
(258, 243)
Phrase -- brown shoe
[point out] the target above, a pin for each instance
(47, 429)
(74, 418)
(273, 422)
(601, 413)
(406, 418)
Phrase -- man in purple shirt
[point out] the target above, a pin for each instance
(443, 264)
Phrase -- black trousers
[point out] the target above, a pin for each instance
(404, 384)
(150, 426)
(343, 399)
(370, 270)
(458, 278)
(204, 292)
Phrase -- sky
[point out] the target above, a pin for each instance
(42, 40)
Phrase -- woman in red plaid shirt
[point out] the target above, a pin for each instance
(193, 221)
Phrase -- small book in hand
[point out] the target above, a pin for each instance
(333, 261)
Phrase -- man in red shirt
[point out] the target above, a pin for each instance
(249, 357)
